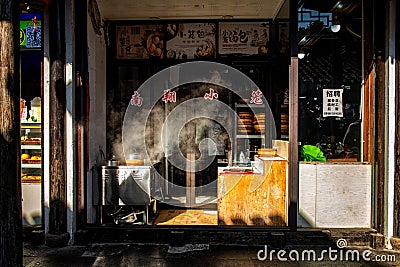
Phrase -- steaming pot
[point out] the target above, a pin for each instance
(113, 161)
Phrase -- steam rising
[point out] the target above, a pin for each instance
(194, 125)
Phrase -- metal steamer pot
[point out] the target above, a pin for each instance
(113, 162)
(135, 159)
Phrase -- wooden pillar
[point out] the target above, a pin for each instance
(293, 183)
(190, 179)
(58, 212)
(397, 149)
(10, 177)
(379, 164)
(82, 105)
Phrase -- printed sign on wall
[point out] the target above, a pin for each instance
(140, 41)
(190, 40)
(243, 38)
(30, 33)
(332, 103)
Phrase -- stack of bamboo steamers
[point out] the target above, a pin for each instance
(250, 123)
(259, 123)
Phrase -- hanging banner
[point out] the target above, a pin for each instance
(190, 40)
(243, 38)
(332, 102)
(139, 41)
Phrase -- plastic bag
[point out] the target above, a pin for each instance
(312, 153)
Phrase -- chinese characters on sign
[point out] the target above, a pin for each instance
(245, 38)
(332, 103)
(139, 41)
(169, 96)
(256, 97)
(211, 95)
(190, 40)
(136, 99)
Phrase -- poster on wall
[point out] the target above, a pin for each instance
(243, 38)
(139, 41)
(30, 31)
(332, 102)
(190, 40)
(283, 37)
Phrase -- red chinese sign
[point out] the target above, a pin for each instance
(169, 96)
(256, 97)
(136, 99)
(211, 95)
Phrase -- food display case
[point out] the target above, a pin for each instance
(31, 172)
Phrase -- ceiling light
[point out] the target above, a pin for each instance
(335, 27)
(301, 55)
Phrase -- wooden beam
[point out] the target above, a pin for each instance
(397, 148)
(368, 122)
(379, 164)
(293, 174)
(58, 207)
(81, 108)
(190, 179)
(10, 170)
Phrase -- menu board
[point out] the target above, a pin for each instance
(243, 38)
(139, 41)
(190, 40)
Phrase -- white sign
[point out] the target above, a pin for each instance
(243, 38)
(191, 40)
(332, 102)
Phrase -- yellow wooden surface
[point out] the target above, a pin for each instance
(185, 217)
(250, 199)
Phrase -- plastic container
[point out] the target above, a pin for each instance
(36, 110)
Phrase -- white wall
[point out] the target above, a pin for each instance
(335, 195)
(97, 114)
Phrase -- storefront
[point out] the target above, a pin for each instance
(195, 100)
(171, 83)
(202, 117)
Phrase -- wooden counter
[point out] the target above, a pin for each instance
(254, 199)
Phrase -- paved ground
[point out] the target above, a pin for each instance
(187, 255)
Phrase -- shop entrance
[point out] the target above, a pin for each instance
(217, 145)
(201, 139)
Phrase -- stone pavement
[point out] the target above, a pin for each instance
(128, 254)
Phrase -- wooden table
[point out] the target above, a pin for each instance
(254, 199)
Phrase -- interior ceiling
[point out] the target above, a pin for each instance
(188, 9)
(340, 7)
